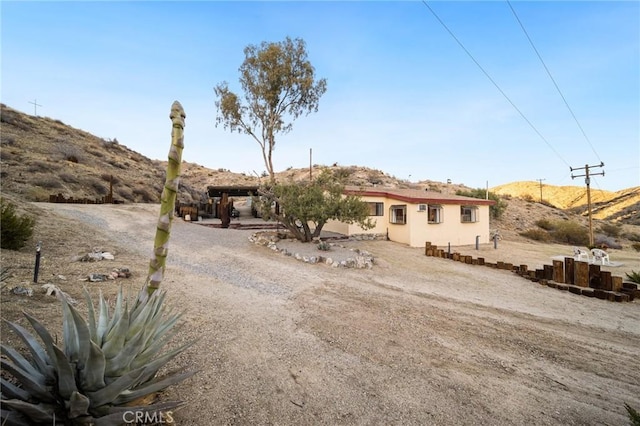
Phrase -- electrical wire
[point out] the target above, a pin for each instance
(494, 83)
(553, 80)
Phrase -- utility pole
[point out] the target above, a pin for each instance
(35, 106)
(310, 165)
(540, 180)
(587, 180)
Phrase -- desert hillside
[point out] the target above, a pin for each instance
(42, 156)
(622, 206)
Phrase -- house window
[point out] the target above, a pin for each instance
(398, 214)
(376, 209)
(468, 214)
(434, 214)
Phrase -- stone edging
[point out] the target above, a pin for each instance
(361, 259)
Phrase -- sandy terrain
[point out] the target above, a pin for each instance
(415, 340)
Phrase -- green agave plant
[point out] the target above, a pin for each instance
(108, 365)
(103, 368)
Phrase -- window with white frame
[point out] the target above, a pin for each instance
(376, 209)
(398, 214)
(434, 214)
(468, 214)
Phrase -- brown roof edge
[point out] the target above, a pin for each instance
(418, 197)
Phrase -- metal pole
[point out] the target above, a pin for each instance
(588, 182)
(37, 267)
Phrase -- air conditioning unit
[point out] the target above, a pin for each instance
(422, 207)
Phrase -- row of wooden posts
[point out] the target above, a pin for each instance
(569, 275)
(59, 198)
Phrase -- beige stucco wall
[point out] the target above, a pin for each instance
(417, 230)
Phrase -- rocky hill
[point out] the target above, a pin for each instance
(621, 206)
(41, 156)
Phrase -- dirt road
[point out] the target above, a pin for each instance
(414, 341)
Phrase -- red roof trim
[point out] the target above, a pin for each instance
(463, 201)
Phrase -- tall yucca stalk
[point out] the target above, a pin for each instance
(167, 206)
(108, 365)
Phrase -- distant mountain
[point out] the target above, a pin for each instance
(623, 206)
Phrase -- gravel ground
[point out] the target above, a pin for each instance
(415, 340)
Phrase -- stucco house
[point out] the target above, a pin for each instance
(413, 217)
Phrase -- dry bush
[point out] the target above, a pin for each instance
(37, 193)
(125, 193)
(610, 229)
(68, 151)
(108, 177)
(39, 167)
(569, 232)
(48, 182)
(143, 195)
(7, 140)
(68, 177)
(636, 246)
(544, 224)
(536, 235)
(632, 237)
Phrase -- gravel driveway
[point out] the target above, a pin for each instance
(415, 340)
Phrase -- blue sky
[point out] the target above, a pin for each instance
(402, 95)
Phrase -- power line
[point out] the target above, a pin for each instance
(494, 83)
(553, 80)
(587, 181)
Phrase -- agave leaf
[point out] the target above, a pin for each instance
(111, 391)
(78, 405)
(150, 387)
(35, 386)
(38, 413)
(69, 335)
(48, 345)
(20, 361)
(11, 391)
(120, 363)
(103, 320)
(66, 376)
(82, 335)
(114, 340)
(152, 368)
(40, 357)
(117, 313)
(92, 376)
(93, 327)
(12, 418)
(150, 353)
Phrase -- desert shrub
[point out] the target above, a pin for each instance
(536, 234)
(548, 204)
(606, 241)
(496, 210)
(632, 236)
(16, 229)
(68, 151)
(48, 182)
(144, 195)
(68, 177)
(36, 193)
(8, 140)
(610, 229)
(636, 246)
(125, 193)
(38, 166)
(528, 197)
(633, 276)
(544, 224)
(324, 246)
(570, 233)
(99, 187)
(108, 177)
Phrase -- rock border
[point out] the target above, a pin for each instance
(361, 260)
